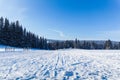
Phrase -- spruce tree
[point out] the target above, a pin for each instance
(108, 44)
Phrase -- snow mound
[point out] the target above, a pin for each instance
(60, 65)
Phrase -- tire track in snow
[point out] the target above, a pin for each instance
(63, 65)
(56, 71)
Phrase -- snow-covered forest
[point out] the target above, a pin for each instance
(59, 39)
(26, 56)
(13, 34)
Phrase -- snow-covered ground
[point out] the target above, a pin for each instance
(70, 64)
(4, 48)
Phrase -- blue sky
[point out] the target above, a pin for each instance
(66, 19)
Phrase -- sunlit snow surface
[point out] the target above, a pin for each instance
(70, 64)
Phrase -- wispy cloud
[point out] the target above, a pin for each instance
(60, 33)
(12, 9)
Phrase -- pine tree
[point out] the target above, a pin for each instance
(119, 45)
(5, 30)
(1, 22)
(108, 44)
(1, 27)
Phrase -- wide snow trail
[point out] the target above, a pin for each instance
(60, 65)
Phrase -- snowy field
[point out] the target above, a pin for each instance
(60, 65)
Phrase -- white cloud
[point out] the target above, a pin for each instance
(60, 33)
(12, 9)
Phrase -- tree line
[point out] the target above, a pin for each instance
(77, 44)
(13, 34)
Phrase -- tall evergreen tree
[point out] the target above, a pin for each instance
(108, 44)
(1, 23)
